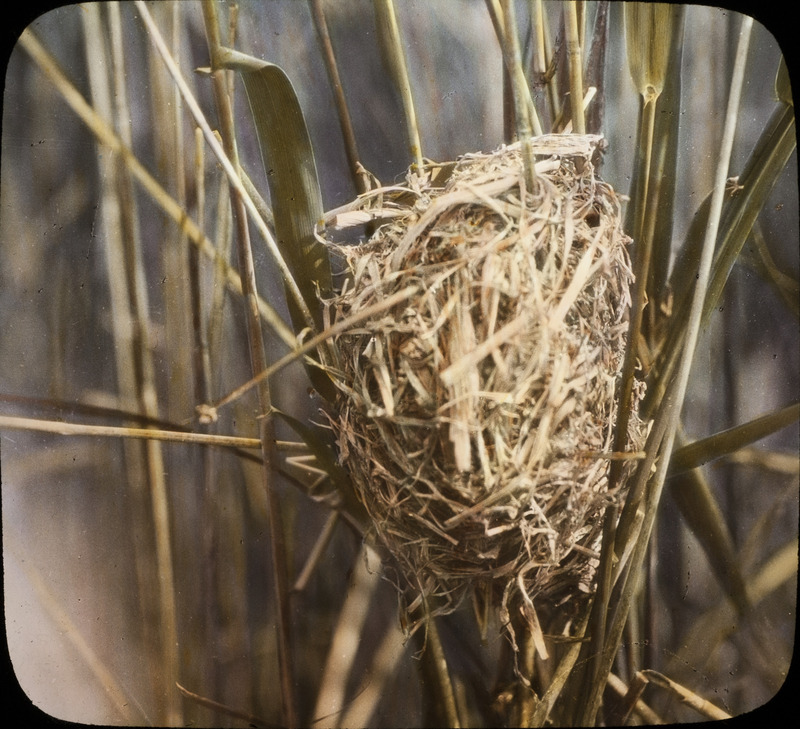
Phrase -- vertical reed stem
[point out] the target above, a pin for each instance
(662, 437)
(574, 55)
(520, 91)
(441, 672)
(127, 235)
(390, 33)
(123, 334)
(258, 364)
(643, 255)
(350, 146)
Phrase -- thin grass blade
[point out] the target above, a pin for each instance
(330, 701)
(663, 175)
(783, 86)
(663, 433)
(704, 638)
(342, 110)
(699, 704)
(575, 58)
(519, 90)
(786, 286)
(595, 75)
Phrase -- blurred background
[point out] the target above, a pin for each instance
(79, 545)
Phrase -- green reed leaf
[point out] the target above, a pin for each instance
(740, 211)
(702, 514)
(662, 177)
(783, 86)
(292, 175)
(295, 195)
(728, 441)
(652, 34)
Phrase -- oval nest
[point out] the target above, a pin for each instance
(477, 403)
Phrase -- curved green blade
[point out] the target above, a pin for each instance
(783, 86)
(292, 174)
(295, 195)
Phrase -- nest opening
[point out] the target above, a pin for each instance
(476, 413)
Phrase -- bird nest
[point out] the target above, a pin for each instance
(477, 404)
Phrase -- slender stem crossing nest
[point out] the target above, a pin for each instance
(476, 417)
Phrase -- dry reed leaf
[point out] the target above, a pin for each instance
(648, 30)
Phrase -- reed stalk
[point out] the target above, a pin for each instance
(154, 189)
(519, 88)
(342, 110)
(648, 33)
(575, 58)
(229, 168)
(258, 363)
(663, 435)
(391, 42)
(124, 232)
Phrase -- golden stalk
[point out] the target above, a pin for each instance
(575, 58)
(389, 34)
(648, 33)
(11, 422)
(241, 203)
(315, 341)
(118, 192)
(519, 89)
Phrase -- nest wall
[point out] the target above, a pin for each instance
(476, 414)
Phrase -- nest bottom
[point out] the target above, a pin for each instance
(476, 413)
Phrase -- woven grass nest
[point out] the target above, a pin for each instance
(476, 413)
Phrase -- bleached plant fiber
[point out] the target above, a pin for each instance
(476, 416)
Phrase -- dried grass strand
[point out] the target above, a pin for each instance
(471, 414)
